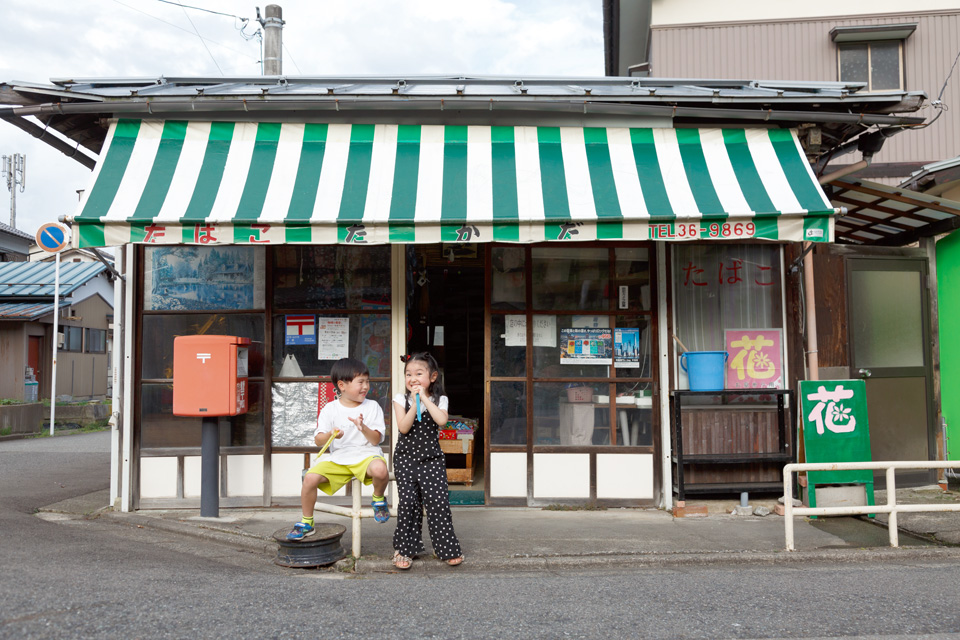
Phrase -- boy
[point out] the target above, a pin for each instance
(357, 426)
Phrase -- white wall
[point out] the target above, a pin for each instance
(666, 12)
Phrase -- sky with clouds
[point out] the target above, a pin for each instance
(152, 38)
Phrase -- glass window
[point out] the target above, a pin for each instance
(570, 278)
(508, 355)
(635, 358)
(632, 269)
(508, 285)
(634, 414)
(546, 359)
(572, 414)
(331, 277)
(721, 287)
(96, 340)
(885, 66)
(508, 413)
(72, 339)
(160, 429)
(194, 278)
(368, 341)
(160, 330)
(878, 64)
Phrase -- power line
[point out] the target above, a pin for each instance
(186, 6)
(292, 60)
(198, 32)
(176, 26)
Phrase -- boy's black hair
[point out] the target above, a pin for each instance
(346, 369)
(436, 388)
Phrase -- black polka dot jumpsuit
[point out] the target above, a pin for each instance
(421, 473)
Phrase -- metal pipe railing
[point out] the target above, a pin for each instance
(891, 507)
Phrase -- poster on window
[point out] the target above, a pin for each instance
(586, 346)
(333, 338)
(756, 358)
(626, 348)
(203, 278)
(300, 330)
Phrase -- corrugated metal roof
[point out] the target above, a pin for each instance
(26, 310)
(36, 279)
(597, 88)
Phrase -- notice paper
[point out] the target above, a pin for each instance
(333, 338)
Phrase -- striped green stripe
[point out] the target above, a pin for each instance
(357, 178)
(261, 168)
(161, 174)
(767, 228)
(91, 235)
(211, 172)
(553, 180)
(698, 175)
(648, 170)
(506, 206)
(453, 205)
(601, 173)
(406, 173)
(298, 234)
(308, 172)
(112, 169)
(796, 170)
(746, 171)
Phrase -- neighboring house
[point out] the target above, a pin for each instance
(881, 46)
(26, 328)
(876, 317)
(70, 254)
(14, 244)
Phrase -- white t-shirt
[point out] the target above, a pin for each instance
(353, 447)
(401, 400)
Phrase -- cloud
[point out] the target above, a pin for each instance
(146, 38)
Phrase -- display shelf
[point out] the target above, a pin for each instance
(737, 449)
(460, 475)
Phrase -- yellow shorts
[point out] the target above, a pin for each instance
(338, 475)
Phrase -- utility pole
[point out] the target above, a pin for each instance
(15, 171)
(272, 24)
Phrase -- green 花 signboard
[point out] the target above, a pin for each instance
(836, 429)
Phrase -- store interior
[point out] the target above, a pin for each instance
(445, 298)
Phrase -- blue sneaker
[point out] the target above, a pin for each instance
(380, 512)
(300, 531)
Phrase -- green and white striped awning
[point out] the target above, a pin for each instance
(176, 182)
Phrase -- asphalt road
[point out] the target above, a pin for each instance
(75, 578)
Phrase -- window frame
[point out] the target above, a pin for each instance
(87, 332)
(870, 44)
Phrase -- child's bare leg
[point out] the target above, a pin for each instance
(377, 471)
(308, 492)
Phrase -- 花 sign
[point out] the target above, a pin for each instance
(835, 429)
(756, 359)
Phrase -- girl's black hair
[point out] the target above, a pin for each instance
(436, 387)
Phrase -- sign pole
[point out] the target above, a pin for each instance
(52, 237)
(56, 318)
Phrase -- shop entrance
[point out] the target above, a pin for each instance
(445, 294)
(889, 349)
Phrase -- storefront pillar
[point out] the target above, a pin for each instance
(129, 321)
(663, 348)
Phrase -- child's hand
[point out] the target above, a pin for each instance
(358, 421)
(337, 433)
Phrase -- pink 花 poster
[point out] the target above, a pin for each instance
(756, 358)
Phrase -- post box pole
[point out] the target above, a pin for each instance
(209, 463)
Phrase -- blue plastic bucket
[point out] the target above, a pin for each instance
(704, 369)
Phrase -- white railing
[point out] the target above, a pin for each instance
(891, 507)
(356, 512)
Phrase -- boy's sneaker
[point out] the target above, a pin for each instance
(380, 512)
(300, 531)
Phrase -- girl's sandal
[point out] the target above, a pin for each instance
(453, 562)
(401, 562)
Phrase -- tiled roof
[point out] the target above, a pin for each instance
(36, 279)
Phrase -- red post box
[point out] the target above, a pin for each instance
(210, 375)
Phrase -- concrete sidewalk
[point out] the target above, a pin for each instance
(501, 539)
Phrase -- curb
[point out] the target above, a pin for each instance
(369, 565)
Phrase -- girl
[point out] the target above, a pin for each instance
(420, 467)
